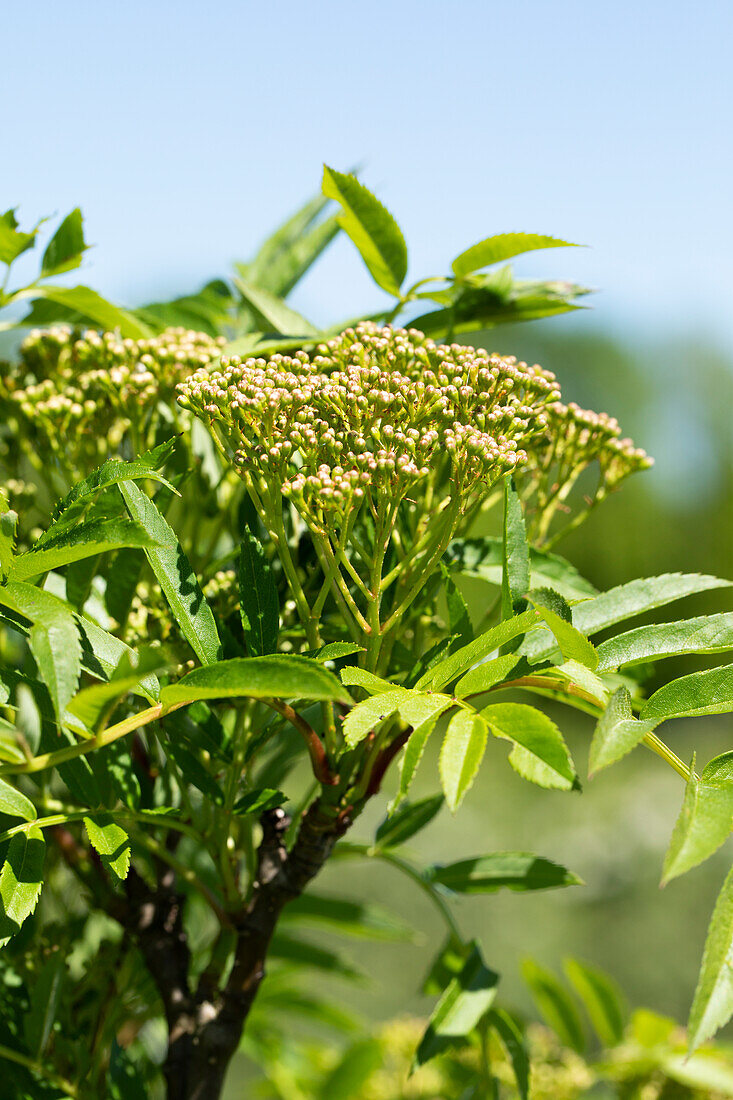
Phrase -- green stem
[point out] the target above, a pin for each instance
(651, 740)
(35, 1067)
(413, 873)
(106, 737)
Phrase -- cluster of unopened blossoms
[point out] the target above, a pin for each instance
(378, 414)
(81, 393)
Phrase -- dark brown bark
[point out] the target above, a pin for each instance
(205, 1026)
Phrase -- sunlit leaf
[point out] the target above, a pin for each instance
(706, 817)
(461, 754)
(371, 227)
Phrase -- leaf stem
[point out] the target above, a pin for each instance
(106, 737)
(35, 1067)
(413, 873)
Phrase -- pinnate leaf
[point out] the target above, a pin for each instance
(555, 1004)
(638, 596)
(512, 1038)
(539, 753)
(282, 676)
(503, 246)
(21, 879)
(520, 871)
(705, 634)
(111, 843)
(712, 1005)
(408, 821)
(175, 576)
(515, 554)
(706, 817)
(447, 670)
(555, 611)
(371, 227)
(461, 754)
(258, 602)
(15, 804)
(709, 692)
(617, 732)
(111, 472)
(65, 249)
(602, 1000)
(53, 639)
(467, 998)
(87, 540)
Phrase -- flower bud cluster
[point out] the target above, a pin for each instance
(576, 437)
(372, 414)
(82, 391)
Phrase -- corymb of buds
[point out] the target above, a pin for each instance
(371, 416)
(82, 392)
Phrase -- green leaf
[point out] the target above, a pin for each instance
(706, 634)
(93, 704)
(486, 675)
(258, 602)
(102, 653)
(91, 306)
(539, 752)
(292, 249)
(45, 994)
(512, 1038)
(304, 953)
(412, 756)
(574, 646)
(368, 714)
(194, 772)
(467, 998)
(282, 676)
(712, 1005)
(459, 662)
(8, 526)
(12, 241)
(636, 597)
(53, 639)
(706, 817)
(709, 1071)
(602, 999)
(334, 650)
(110, 842)
(349, 918)
(515, 554)
(372, 229)
(85, 541)
(257, 801)
(617, 732)
(461, 754)
(555, 1005)
(272, 313)
(175, 576)
(709, 692)
(482, 558)
(208, 310)
(520, 871)
(112, 472)
(408, 821)
(21, 879)
(64, 250)
(353, 676)
(358, 1064)
(459, 619)
(15, 804)
(503, 246)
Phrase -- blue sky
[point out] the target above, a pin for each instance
(186, 131)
